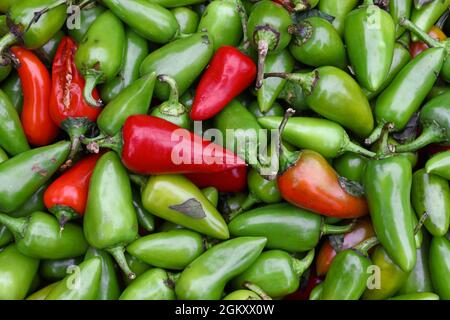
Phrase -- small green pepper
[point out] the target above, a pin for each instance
(350, 165)
(154, 284)
(439, 165)
(55, 270)
(400, 9)
(440, 266)
(187, 19)
(427, 15)
(339, 10)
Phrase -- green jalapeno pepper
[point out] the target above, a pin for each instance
(154, 284)
(348, 274)
(187, 19)
(55, 270)
(272, 87)
(212, 194)
(136, 51)
(42, 293)
(110, 220)
(16, 273)
(40, 236)
(192, 55)
(22, 175)
(440, 266)
(351, 166)
(185, 205)
(400, 9)
(387, 183)
(172, 250)
(439, 165)
(316, 293)
(82, 285)
(137, 266)
(286, 227)
(87, 16)
(339, 10)
(417, 296)
(100, 54)
(430, 194)
(12, 87)
(276, 272)
(109, 284)
(134, 99)
(205, 278)
(396, 104)
(317, 43)
(426, 16)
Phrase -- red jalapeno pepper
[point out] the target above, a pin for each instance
(229, 73)
(66, 197)
(68, 108)
(36, 85)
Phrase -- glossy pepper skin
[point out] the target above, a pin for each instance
(440, 266)
(392, 277)
(33, 204)
(136, 50)
(370, 38)
(187, 19)
(317, 43)
(350, 165)
(100, 54)
(347, 277)
(12, 87)
(321, 135)
(395, 104)
(147, 137)
(42, 293)
(362, 230)
(400, 9)
(146, 219)
(84, 287)
(276, 272)
(13, 138)
(439, 165)
(324, 82)
(387, 184)
(68, 108)
(426, 16)
(172, 250)
(320, 192)
(186, 205)
(242, 295)
(431, 194)
(232, 180)
(154, 284)
(417, 296)
(206, 277)
(55, 270)
(22, 175)
(24, 29)
(87, 16)
(134, 99)
(110, 220)
(271, 88)
(339, 10)
(66, 197)
(229, 73)
(109, 288)
(16, 273)
(286, 227)
(435, 122)
(39, 236)
(39, 128)
(222, 20)
(193, 53)
(267, 31)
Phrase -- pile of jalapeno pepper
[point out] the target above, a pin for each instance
(224, 149)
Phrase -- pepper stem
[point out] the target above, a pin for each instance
(93, 145)
(256, 289)
(366, 245)
(300, 266)
(432, 133)
(420, 223)
(263, 49)
(377, 132)
(287, 158)
(76, 128)
(6, 41)
(119, 256)
(244, 22)
(301, 5)
(328, 229)
(306, 80)
(247, 204)
(353, 147)
(92, 78)
(172, 106)
(16, 226)
(430, 41)
(64, 214)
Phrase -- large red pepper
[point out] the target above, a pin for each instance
(36, 85)
(150, 145)
(361, 231)
(229, 73)
(234, 180)
(68, 108)
(415, 48)
(66, 197)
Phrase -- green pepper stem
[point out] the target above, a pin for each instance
(300, 266)
(93, 145)
(432, 133)
(119, 256)
(366, 245)
(301, 5)
(38, 14)
(328, 229)
(172, 106)
(16, 226)
(353, 147)
(76, 128)
(244, 22)
(263, 49)
(256, 289)
(249, 202)
(430, 41)
(173, 277)
(64, 214)
(92, 78)
(420, 223)
(306, 80)
(6, 41)
(375, 135)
